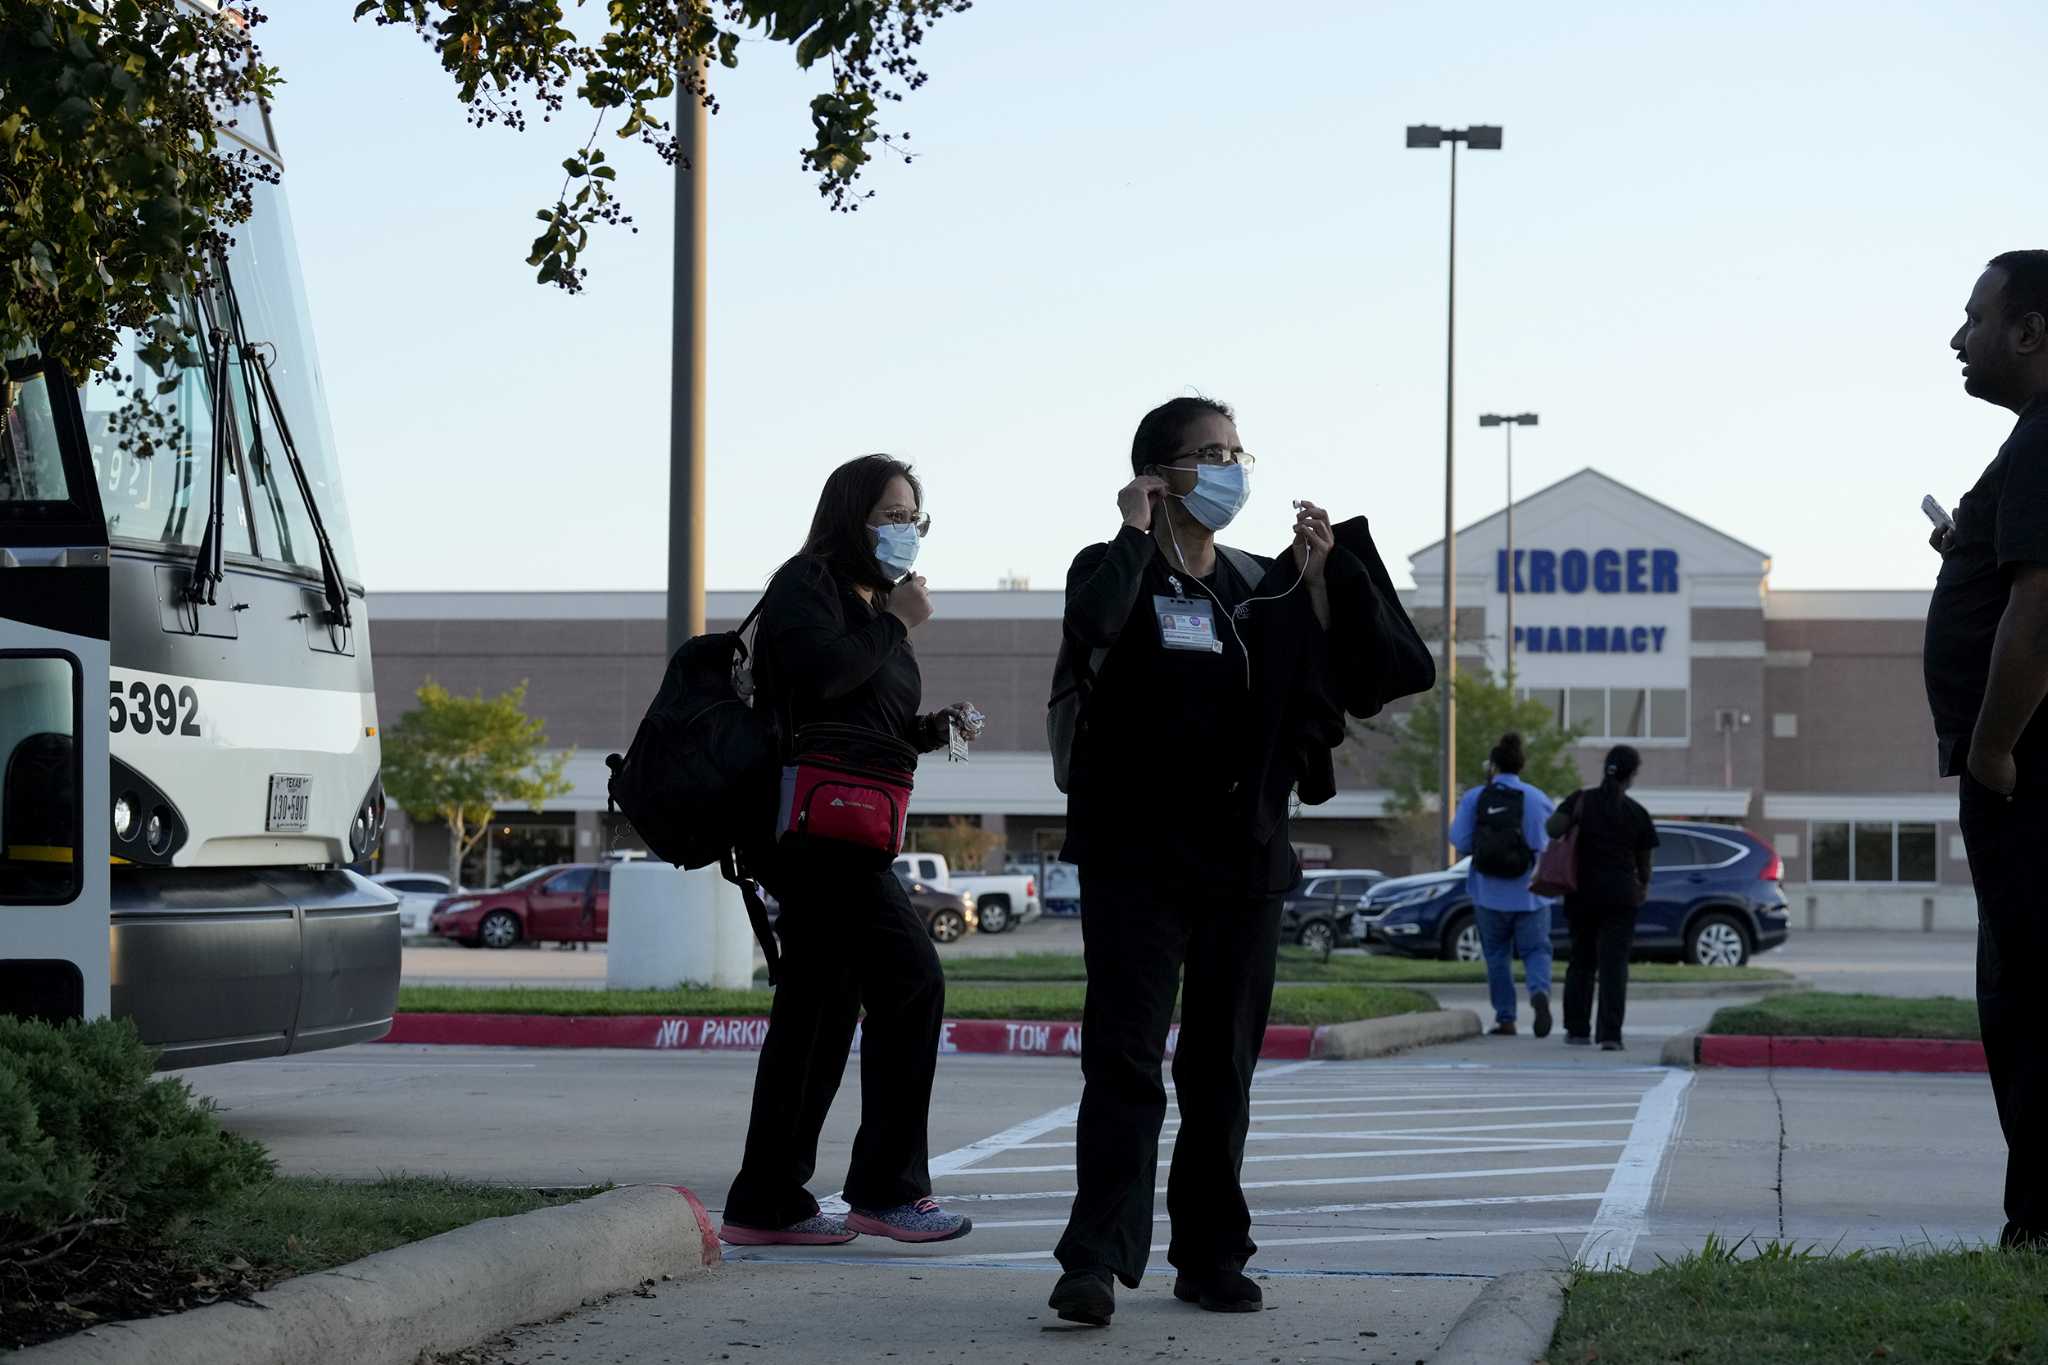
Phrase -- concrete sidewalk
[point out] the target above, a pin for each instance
(784, 1313)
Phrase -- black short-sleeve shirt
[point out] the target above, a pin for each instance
(2000, 524)
(1613, 829)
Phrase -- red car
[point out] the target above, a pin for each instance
(566, 903)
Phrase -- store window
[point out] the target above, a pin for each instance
(1611, 713)
(1873, 851)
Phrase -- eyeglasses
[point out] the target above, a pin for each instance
(1213, 455)
(904, 516)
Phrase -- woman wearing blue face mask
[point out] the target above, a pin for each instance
(833, 650)
(1214, 685)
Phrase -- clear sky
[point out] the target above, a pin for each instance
(1721, 255)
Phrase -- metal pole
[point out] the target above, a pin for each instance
(1450, 704)
(686, 379)
(1510, 426)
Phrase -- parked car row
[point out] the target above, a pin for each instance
(571, 903)
(1715, 900)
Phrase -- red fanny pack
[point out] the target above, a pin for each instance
(848, 786)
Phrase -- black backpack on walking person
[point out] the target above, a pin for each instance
(698, 781)
(1499, 846)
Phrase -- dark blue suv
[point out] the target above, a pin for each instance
(1715, 899)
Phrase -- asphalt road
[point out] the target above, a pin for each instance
(1385, 1193)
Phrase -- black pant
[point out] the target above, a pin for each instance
(1137, 937)
(849, 940)
(1601, 937)
(2004, 842)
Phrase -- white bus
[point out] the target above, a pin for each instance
(188, 732)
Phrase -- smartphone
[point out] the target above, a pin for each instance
(1936, 513)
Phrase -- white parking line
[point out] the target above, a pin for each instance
(1555, 1145)
(1611, 1242)
(1316, 1210)
(1399, 1177)
(1264, 1242)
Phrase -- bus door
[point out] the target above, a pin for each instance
(54, 813)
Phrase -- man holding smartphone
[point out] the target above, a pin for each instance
(1986, 664)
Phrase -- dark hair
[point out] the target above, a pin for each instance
(1161, 432)
(2026, 282)
(1508, 755)
(839, 528)
(1623, 762)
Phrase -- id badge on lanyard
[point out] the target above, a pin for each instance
(1187, 624)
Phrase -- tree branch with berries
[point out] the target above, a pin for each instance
(512, 56)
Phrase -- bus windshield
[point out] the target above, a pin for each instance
(162, 498)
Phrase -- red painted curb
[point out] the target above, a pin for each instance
(1841, 1054)
(714, 1254)
(729, 1033)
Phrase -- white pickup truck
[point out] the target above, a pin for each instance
(1002, 901)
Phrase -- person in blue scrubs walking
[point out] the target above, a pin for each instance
(1500, 827)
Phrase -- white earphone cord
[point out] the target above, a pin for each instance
(1228, 618)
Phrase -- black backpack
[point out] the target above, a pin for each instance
(1499, 847)
(698, 781)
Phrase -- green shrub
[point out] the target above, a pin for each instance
(91, 1138)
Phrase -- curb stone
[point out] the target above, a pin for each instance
(1841, 1053)
(1396, 1032)
(1510, 1323)
(440, 1294)
(1682, 1049)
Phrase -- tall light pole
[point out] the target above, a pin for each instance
(1523, 419)
(1481, 137)
(686, 376)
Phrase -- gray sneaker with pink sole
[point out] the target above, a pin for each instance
(821, 1231)
(923, 1221)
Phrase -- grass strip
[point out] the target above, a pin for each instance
(1830, 1014)
(1299, 964)
(295, 1225)
(1783, 1305)
(1335, 1004)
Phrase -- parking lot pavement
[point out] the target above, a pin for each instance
(1881, 962)
(1862, 1160)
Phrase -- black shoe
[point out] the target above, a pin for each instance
(1502, 1030)
(1541, 1005)
(1085, 1296)
(1224, 1292)
(1577, 1040)
(1611, 1045)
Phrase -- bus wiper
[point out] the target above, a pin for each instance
(207, 567)
(255, 362)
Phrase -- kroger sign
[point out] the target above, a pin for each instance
(1596, 572)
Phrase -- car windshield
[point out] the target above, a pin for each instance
(531, 877)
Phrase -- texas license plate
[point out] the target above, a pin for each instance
(291, 801)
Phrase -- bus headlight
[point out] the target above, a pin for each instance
(146, 825)
(368, 826)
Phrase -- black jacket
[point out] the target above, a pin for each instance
(1303, 681)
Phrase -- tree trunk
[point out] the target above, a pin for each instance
(455, 850)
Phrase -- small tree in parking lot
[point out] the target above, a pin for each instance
(964, 844)
(1486, 711)
(457, 759)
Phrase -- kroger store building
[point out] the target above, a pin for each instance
(1799, 715)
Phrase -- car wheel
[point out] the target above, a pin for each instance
(995, 915)
(1317, 935)
(500, 929)
(1461, 939)
(948, 926)
(1716, 941)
